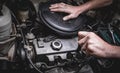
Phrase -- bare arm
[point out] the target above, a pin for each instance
(75, 11)
(94, 45)
(93, 4)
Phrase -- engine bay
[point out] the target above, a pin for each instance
(34, 39)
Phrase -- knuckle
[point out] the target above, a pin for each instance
(89, 47)
(89, 41)
(73, 16)
(91, 34)
(62, 4)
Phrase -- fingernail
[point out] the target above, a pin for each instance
(64, 19)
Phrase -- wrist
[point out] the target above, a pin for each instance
(113, 52)
(116, 52)
(82, 9)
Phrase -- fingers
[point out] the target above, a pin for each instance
(82, 37)
(85, 49)
(83, 43)
(83, 40)
(58, 7)
(70, 16)
(62, 7)
(82, 34)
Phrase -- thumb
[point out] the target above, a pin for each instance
(70, 16)
(82, 34)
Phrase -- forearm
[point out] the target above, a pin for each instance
(93, 4)
(115, 53)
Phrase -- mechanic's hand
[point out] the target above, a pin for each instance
(94, 45)
(73, 11)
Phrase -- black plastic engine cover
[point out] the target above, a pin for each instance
(54, 20)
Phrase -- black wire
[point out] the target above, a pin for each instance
(20, 27)
(31, 63)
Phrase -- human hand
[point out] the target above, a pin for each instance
(73, 11)
(94, 45)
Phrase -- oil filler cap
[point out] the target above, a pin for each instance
(56, 45)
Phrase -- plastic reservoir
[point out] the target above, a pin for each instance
(5, 24)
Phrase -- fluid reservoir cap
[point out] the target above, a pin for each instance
(56, 45)
(30, 36)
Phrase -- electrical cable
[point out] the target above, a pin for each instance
(30, 61)
(18, 24)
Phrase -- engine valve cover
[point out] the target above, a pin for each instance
(48, 48)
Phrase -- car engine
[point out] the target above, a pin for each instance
(32, 38)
